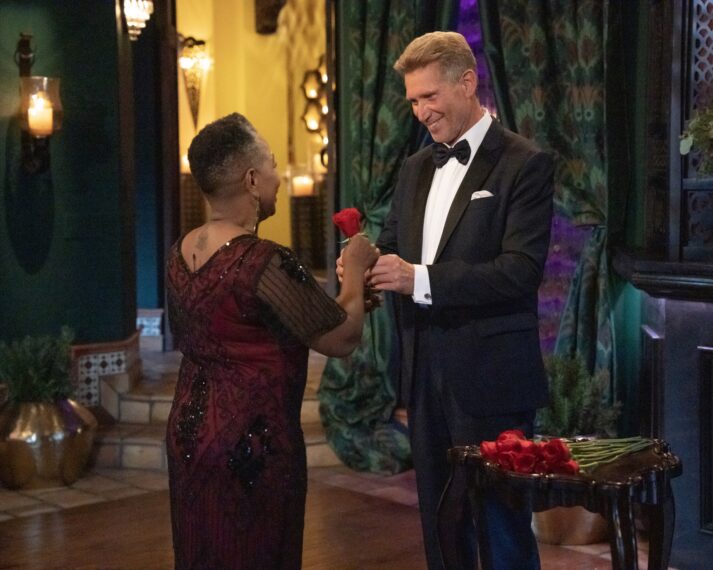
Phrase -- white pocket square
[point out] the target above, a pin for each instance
(480, 194)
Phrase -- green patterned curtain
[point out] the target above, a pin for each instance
(548, 63)
(376, 131)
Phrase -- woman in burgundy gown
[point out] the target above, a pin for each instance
(244, 313)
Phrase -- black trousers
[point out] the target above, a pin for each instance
(437, 422)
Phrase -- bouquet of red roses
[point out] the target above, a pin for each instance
(513, 451)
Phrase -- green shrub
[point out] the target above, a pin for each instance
(37, 368)
(578, 401)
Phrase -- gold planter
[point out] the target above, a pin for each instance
(44, 444)
(569, 526)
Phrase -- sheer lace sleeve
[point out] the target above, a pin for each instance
(296, 299)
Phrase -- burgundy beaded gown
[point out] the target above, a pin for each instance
(236, 453)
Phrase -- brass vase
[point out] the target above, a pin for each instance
(569, 526)
(44, 444)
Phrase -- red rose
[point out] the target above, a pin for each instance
(510, 444)
(524, 462)
(488, 450)
(348, 221)
(568, 467)
(506, 459)
(527, 457)
(511, 434)
(530, 447)
(555, 451)
(541, 466)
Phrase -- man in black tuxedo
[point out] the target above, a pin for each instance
(465, 245)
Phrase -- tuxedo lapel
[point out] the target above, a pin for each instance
(414, 242)
(483, 162)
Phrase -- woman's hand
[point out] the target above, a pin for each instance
(358, 256)
(359, 253)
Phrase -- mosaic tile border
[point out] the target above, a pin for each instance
(150, 322)
(92, 361)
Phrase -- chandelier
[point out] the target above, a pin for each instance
(137, 13)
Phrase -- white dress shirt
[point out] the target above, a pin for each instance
(444, 186)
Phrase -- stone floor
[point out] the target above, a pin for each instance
(98, 486)
(104, 484)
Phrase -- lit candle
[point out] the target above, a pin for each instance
(39, 115)
(302, 185)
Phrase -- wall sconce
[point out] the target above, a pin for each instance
(194, 61)
(136, 14)
(40, 109)
(312, 116)
(314, 87)
(312, 84)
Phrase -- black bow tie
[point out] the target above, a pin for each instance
(442, 153)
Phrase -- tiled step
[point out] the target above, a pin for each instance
(145, 407)
(131, 446)
(137, 439)
(149, 402)
(142, 446)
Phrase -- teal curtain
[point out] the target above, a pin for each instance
(548, 60)
(376, 132)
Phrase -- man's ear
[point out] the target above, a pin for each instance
(469, 80)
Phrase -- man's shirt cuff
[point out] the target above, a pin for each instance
(421, 286)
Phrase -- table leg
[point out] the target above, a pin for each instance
(661, 522)
(622, 534)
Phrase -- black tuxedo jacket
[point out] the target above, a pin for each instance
(484, 279)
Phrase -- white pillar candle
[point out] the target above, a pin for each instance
(302, 186)
(39, 116)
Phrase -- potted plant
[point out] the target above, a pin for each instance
(45, 437)
(578, 403)
(578, 407)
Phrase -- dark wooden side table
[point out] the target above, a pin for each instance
(611, 490)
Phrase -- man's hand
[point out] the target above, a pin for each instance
(372, 299)
(391, 273)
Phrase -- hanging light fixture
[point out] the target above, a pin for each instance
(137, 13)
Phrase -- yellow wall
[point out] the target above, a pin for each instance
(195, 18)
(249, 76)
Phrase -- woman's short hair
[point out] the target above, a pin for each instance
(220, 150)
(449, 49)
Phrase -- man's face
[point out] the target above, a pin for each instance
(444, 107)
